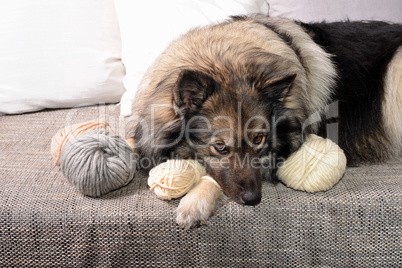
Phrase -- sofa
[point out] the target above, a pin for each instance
(46, 222)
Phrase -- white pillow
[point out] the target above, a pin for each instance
(61, 53)
(147, 27)
(335, 10)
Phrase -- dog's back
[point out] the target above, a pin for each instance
(368, 59)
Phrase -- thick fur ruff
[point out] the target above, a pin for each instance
(254, 87)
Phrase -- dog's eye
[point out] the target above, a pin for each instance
(220, 147)
(259, 139)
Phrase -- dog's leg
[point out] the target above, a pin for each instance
(198, 205)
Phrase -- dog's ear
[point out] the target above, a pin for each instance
(192, 89)
(276, 88)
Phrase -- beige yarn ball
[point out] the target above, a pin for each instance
(174, 178)
(317, 166)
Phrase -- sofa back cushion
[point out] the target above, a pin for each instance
(56, 54)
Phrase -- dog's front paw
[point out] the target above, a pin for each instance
(192, 214)
(198, 205)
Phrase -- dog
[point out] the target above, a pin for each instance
(247, 91)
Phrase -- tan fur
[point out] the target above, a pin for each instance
(392, 104)
(198, 205)
(198, 50)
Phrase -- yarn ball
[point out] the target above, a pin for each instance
(317, 166)
(175, 177)
(98, 162)
(61, 138)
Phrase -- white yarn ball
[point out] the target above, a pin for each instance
(317, 166)
(174, 178)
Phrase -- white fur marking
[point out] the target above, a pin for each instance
(392, 104)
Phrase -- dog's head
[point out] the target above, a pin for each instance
(231, 125)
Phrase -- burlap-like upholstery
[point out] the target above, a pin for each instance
(45, 222)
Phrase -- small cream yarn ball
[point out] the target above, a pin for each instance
(317, 166)
(174, 178)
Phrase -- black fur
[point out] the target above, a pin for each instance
(361, 52)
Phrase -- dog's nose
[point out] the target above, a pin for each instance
(251, 198)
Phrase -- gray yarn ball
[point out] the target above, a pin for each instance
(98, 162)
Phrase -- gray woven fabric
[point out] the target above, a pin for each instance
(45, 222)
